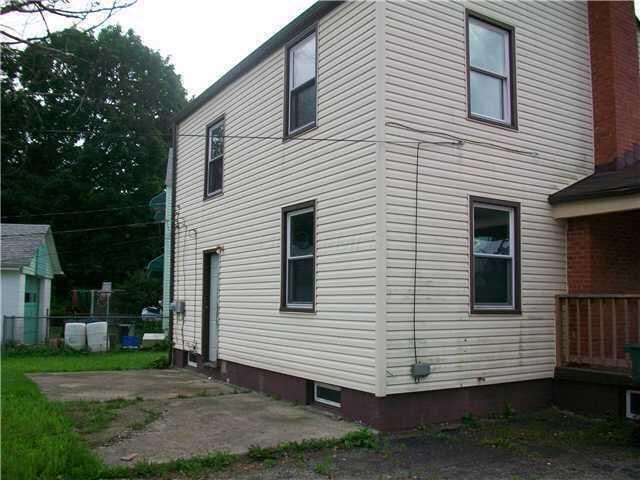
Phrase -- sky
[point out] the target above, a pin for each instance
(206, 38)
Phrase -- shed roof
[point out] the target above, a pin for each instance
(599, 185)
(20, 243)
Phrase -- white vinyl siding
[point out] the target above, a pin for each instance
(359, 209)
(334, 345)
(426, 89)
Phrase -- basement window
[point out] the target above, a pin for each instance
(327, 394)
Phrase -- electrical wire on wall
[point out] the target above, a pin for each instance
(194, 231)
(182, 232)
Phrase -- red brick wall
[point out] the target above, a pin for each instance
(615, 79)
(603, 253)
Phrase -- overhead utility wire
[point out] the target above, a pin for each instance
(435, 133)
(75, 212)
(78, 230)
(453, 140)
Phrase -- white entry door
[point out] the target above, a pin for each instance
(214, 287)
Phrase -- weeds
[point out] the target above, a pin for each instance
(92, 417)
(469, 420)
(324, 467)
(363, 438)
(214, 462)
(150, 416)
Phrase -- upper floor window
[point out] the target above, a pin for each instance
(215, 158)
(301, 85)
(490, 71)
(298, 257)
(495, 256)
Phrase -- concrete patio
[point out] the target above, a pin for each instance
(196, 415)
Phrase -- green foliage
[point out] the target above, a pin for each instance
(324, 467)
(150, 416)
(363, 438)
(38, 440)
(214, 462)
(469, 420)
(139, 290)
(508, 411)
(89, 132)
(92, 417)
(160, 363)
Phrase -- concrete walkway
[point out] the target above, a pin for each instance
(196, 415)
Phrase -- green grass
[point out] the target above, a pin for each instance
(92, 417)
(38, 439)
(363, 438)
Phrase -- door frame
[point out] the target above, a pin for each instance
(206, 297)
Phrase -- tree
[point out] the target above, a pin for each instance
(89, 132)
(86, 16)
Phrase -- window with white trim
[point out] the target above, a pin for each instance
(490, 82)
(327, 394)
(299, 256)
(301, 85)
(215, 158)
(495, 249)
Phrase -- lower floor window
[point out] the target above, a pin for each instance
(327, 394)
(495, 250)
(298, 257)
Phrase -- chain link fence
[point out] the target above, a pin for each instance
(123, 331)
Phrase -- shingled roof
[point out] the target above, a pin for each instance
(599, 185)
(20, 243)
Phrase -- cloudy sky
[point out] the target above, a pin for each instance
(205, 38)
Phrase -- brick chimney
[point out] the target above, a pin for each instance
(615, 79)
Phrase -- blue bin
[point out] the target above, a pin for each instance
(130, 341)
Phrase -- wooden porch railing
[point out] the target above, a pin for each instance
(592, 329)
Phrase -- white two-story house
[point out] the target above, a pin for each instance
(361, 215)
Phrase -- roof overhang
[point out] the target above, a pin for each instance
(595, 206)
(601, 192)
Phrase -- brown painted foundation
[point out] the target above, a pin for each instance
(393, 412)
(591, 392)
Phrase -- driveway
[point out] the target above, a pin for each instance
(180, 414)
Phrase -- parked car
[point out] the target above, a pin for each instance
(151, 313)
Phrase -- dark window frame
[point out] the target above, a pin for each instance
(284, 259)
(516, 268)
(216, 193)
(513, 123)
(312, 30)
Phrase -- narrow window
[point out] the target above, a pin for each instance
(490, 62)
(495, 256)
(327, 394)
(298, 267)
(301, 85)
(215, 158)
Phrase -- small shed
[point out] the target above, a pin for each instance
(28, 265)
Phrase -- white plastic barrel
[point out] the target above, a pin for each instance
(97, 338)
(75, 335)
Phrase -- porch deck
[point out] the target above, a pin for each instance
(593, 329)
